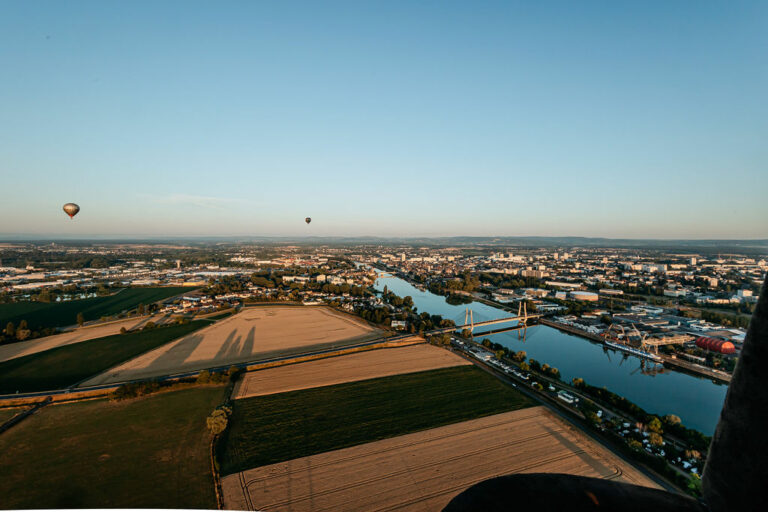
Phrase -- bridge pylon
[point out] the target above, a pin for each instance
(522, 313)
(469, 318)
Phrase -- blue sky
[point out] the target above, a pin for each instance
(385, 118)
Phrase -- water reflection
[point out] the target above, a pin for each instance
(696, 400)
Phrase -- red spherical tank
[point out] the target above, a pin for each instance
(715, 345)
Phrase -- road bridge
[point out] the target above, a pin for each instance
(521, 318)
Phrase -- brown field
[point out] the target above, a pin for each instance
(424, 470)
(346, 368)
(257, 332)
(86, 333)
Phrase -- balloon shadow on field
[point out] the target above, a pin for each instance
(174, 359)
(247, 349)
(230, 343)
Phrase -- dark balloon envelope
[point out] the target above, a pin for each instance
(71, 209)
(308, 220)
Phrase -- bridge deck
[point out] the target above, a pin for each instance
(483, 323)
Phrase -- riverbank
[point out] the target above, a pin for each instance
(574, 416)
(615, 420)
(695, 398)
(667, 359)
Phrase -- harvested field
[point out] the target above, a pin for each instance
(26, 348)
(274, 428)
(258, 332)
(151, 452)
(424, 470)
(346, 368)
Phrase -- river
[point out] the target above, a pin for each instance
(696, 400)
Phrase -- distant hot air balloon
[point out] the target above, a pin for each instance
(308, 220)
(71, 209)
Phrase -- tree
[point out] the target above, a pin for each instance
(204, 377)
(80, 319)
(141, 309)
(123, 330)
(217, 421)
(672, 419)
(655, 439)
(525, 367)
(520, 356)
(499, 354)
(442, 339)
(694, 485)
(655, 425)
(593, 418)
(10, 329)
(578, 382)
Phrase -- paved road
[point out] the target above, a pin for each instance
(570, 417)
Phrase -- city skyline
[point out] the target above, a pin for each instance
(183, 119)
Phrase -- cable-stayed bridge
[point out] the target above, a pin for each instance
(522, 318)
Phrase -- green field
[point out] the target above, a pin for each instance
(60, 314)
(65, 366)
(151, 452)
(275, 428)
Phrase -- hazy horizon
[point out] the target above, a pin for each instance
(392, 119)
(225, 237)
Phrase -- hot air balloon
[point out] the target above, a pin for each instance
(308, 220)
(71, 209)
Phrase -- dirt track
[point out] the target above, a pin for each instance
(347, 368)
(254, 332)
(26, 348)
(424, 470)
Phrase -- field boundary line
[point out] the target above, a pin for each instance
(18, 418)
(440, 437)
(453, 458)
(215, 473)
(103, 389)
(342, 353)
(77, 384)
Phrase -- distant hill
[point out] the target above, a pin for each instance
(705, 246)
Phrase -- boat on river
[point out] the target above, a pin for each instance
(632, 350)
